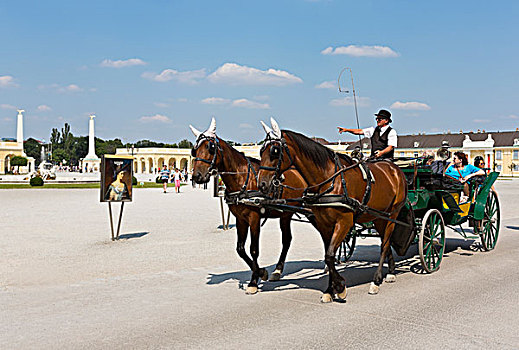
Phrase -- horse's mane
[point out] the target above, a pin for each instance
(319, 154)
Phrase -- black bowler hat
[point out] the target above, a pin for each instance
(384, 115)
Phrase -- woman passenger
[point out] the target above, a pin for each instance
(461, 170)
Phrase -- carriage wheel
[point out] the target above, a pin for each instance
(432, 240)
(346, 248)
(490, 223)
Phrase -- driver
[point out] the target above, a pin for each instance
(383, 137)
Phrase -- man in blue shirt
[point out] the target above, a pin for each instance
(164, 176)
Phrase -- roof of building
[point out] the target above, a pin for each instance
(501, 139)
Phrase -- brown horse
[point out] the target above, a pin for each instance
(285, 150)
(213, 155)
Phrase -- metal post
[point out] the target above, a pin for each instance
(111, 220)
(228, 216)
(120, 217)
(223, 214)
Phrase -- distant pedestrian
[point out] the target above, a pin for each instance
(177, 175)
(164, 177)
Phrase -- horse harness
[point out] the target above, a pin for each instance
(324, 198)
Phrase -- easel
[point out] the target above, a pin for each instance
(225, 225)
(114, 237)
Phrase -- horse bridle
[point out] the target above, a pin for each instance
(213, 142)
(278, 174)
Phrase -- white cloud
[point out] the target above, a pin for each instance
(215, 101)
(327, 85)
(361, 51)
(187, 77)
(123, 63)
(155, 118)
(481, 120)
(234, 74)
(182, 99)
(243, 102)
(44, 108)
(410, 106)
(261, 97)
(348, 101)
(245, 126)
(70, 88)
(7, 106)
(7, 81)
(511, 116)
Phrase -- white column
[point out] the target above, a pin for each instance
(19, 129)
(91, 139)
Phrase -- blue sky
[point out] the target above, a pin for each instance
(148, 69)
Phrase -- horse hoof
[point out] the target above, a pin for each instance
(390, 278)
(342, 295)
(373, 288)
(265, 275)
(276, 276)
(251, 290)
(326, 298)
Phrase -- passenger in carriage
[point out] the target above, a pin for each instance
(462, 171)
(384, 138)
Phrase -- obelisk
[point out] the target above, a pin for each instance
(91, 161)
(19, 130)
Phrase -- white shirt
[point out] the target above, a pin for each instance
(392, 138)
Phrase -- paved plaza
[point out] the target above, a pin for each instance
(174, 280)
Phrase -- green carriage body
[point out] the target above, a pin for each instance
(430, 207)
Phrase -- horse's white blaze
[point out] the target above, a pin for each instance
(390, 278)
(373, 288)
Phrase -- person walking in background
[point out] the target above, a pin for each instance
(177, 176)
(164, 176)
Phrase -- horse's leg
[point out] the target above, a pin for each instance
(385, 229)
(257, 272)
(286, 237)
(336, 284)
(390, 277)
(242, 228)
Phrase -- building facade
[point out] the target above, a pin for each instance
(10, 147)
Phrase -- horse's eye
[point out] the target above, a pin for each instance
(211, 147)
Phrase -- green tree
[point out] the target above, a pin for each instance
(18, 161)
(32, 148)
(55, 138)
(185, 144)
(66, 137)
(58, 155)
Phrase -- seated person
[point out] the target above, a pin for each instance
(461, 170)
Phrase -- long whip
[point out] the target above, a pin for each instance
(354, 95)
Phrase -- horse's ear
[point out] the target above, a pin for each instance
(212, 129)
(195, 131)
(266, 127)
(275, 128)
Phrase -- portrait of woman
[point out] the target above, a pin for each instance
(116, 179)
(117, 191)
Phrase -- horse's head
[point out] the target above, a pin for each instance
(206, 153)
(275, 159)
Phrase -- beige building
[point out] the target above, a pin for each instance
(14, 147)
(499, 149)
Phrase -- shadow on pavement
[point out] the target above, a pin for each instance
(513, 227)
(357, 271)
(132, 235)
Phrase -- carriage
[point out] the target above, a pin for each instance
(433, 203)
